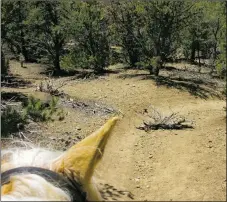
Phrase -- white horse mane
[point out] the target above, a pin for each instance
(79, 160)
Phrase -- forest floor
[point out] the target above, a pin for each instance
(160, 165)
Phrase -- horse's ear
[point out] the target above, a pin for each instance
(81, 159)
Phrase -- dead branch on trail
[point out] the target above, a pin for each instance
(159, 121)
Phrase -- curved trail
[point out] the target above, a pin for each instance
(160, 165)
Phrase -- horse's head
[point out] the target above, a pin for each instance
(41, 174)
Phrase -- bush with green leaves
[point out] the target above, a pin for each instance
(39, 111)
(86, 34)
(221, 66)
(10, 118)
(89, 29)
(220, 62)
(153, 65)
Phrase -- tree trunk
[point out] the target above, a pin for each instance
(57, 62)
(3, 68)
(22, 40)
(57, 49)
(23, 48)
(133, 60)
(4, 64)
(198, 54)
(193, 49)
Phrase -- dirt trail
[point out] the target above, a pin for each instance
(161, 165)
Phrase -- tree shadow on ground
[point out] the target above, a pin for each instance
(110, 193)
(61, 73)
(77, 73)
(195, 86)
(188, 70)
(14, 82)
(130, 76)
(14, 97)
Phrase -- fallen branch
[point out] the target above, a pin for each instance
(148, 127)
(158, 121)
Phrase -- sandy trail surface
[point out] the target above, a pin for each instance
(160, 165)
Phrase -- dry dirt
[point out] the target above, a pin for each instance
(162, 165)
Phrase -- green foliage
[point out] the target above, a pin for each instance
(53, 104)
(206, 31)
(126, 18)
(116, 55)
(34, 109)
(13, 29)
(102, 33)
(149, 28)
(221, 64)
(88, 29)
(153, 64)
(38, 111)
(47, 20)
(10, 118)
(165, 21)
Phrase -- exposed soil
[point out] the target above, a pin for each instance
(160, 165)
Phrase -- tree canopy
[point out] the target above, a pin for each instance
(92, 34)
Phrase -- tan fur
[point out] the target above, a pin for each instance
(81, 159)
(78, 162)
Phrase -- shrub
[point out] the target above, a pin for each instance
(221, 65)
(39, 111)
(155, 65)
(152, 64)
(10, 118)
(89, 30)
